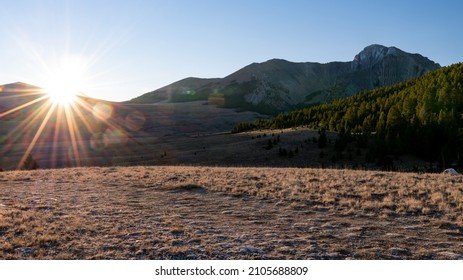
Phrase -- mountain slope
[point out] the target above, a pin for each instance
(180, 91)
(279, 85)
(422, 117)
(14, 96)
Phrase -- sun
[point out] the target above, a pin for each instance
(62, 90)
(66, 82)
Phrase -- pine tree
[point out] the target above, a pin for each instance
(322, 139)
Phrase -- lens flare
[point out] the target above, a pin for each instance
(102, 111)
(61, 135)
(135, 121)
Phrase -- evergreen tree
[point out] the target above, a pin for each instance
(322, 139)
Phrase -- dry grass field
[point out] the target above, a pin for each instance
(229, 213)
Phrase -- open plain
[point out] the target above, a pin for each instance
(180, 212)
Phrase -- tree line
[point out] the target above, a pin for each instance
(421, 117)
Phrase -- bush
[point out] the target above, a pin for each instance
(29, 163)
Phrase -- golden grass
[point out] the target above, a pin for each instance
(216, 213)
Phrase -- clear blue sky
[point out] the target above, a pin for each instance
(131, 47)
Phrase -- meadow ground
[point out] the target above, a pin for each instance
(229, 213)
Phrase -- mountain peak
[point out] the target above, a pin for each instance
(18, 87)
(373, 54)
(375, 47)
(378, 54)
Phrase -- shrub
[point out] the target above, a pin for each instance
(29, 163)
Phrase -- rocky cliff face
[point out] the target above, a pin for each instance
(279, 85)
(378, 66)
(372, 55)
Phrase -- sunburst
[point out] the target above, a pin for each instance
(67, 81)
(62, 118)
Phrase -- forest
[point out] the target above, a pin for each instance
(421, 117)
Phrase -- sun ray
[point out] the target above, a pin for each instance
(37, 134)
(58, 128)
(78, 104)
(50, 125)
(22, 106)
(72, 130)
(103, 117)
(63, 126)
(21, 94)
(28, 123)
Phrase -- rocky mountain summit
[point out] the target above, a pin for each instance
(382, 66)
(372, 55)
(279, 85)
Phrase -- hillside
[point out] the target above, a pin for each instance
(183, 90)
(15, 96)
(279, 85)
(422, 117)
(97, 132)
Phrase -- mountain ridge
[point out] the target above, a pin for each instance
(280, 85)
(18, 87)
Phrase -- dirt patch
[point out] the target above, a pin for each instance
(186, 188)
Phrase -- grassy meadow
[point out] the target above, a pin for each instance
(181, 212)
